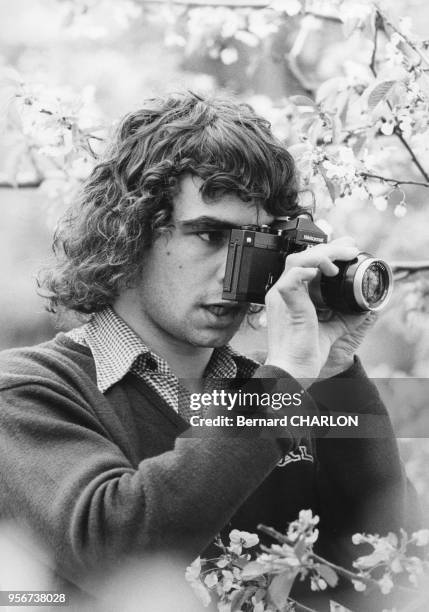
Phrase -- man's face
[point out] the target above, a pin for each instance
(180, 293)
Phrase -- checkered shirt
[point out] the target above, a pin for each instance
(117, 350)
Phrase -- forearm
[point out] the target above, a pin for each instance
(78, 491)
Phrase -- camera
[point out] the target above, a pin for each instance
(256, 259)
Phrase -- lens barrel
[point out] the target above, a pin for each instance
(363, 284)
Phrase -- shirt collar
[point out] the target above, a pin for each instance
(116, 347)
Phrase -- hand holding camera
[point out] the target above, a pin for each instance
(297, 341)
(275, 264)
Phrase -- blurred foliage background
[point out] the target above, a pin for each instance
(113, 54)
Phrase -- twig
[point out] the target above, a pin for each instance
(415, 266)
(300, 606)
(276, 535)
(375, 40)
(353, 576)
(395, 182)
(93, 137)
(404, 269)
(342, 570)
(397, 130)
(325, 17)
(257, 4)
(292, 58)
(23, 185)
(409, 42)
(237, 4)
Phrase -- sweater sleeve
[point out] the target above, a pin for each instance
(64, 477)
(362, 486)
(365, 470)
(361, 481)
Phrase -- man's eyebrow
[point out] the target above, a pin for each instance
(206, 222)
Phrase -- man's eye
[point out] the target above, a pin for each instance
(216, 237)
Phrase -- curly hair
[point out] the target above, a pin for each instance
(128, 198)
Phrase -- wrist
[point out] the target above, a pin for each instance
(303, 374)
(330, 370)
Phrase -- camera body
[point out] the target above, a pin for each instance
(256, 259)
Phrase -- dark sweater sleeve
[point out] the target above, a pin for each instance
(64, 477)
(365, 471)
(362, 486)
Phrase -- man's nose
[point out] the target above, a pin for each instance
(221, 264)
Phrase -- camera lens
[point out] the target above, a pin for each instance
(363, 284)
(374, 284)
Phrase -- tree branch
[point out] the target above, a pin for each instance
(237, 4)
(395, 182)
(21, 185)
(343, 571)
(353, 576)
(256, 4)
(397, 130)
(403, 269)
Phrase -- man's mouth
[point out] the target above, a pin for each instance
(223, 310)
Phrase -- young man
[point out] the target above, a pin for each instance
(91, 452)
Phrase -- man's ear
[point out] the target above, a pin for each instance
(165, 232)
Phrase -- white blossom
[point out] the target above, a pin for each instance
(211, 580)
(358, 585)
(246, 539)
(229, 55)
(386, 584)
(421, 537)
(291, 7)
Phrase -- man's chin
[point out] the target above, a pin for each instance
(213, 332)
(214, 339)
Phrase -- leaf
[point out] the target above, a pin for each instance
(368, 26)
(308, 123)
(241, 597)
(280, 587)
(252, 570)
(424, 84)
(329, 88)
(349, 25)
(302, 101)
(299, 149)
(330, 185)
(240, 563)
(359, 140)
(379, 93)
(315, 131)
(336, 126)
(328, 574)
(398, 94)
(300, 546)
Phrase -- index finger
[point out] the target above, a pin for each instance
(322, 257)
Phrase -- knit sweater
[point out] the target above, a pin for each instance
(100, 478)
